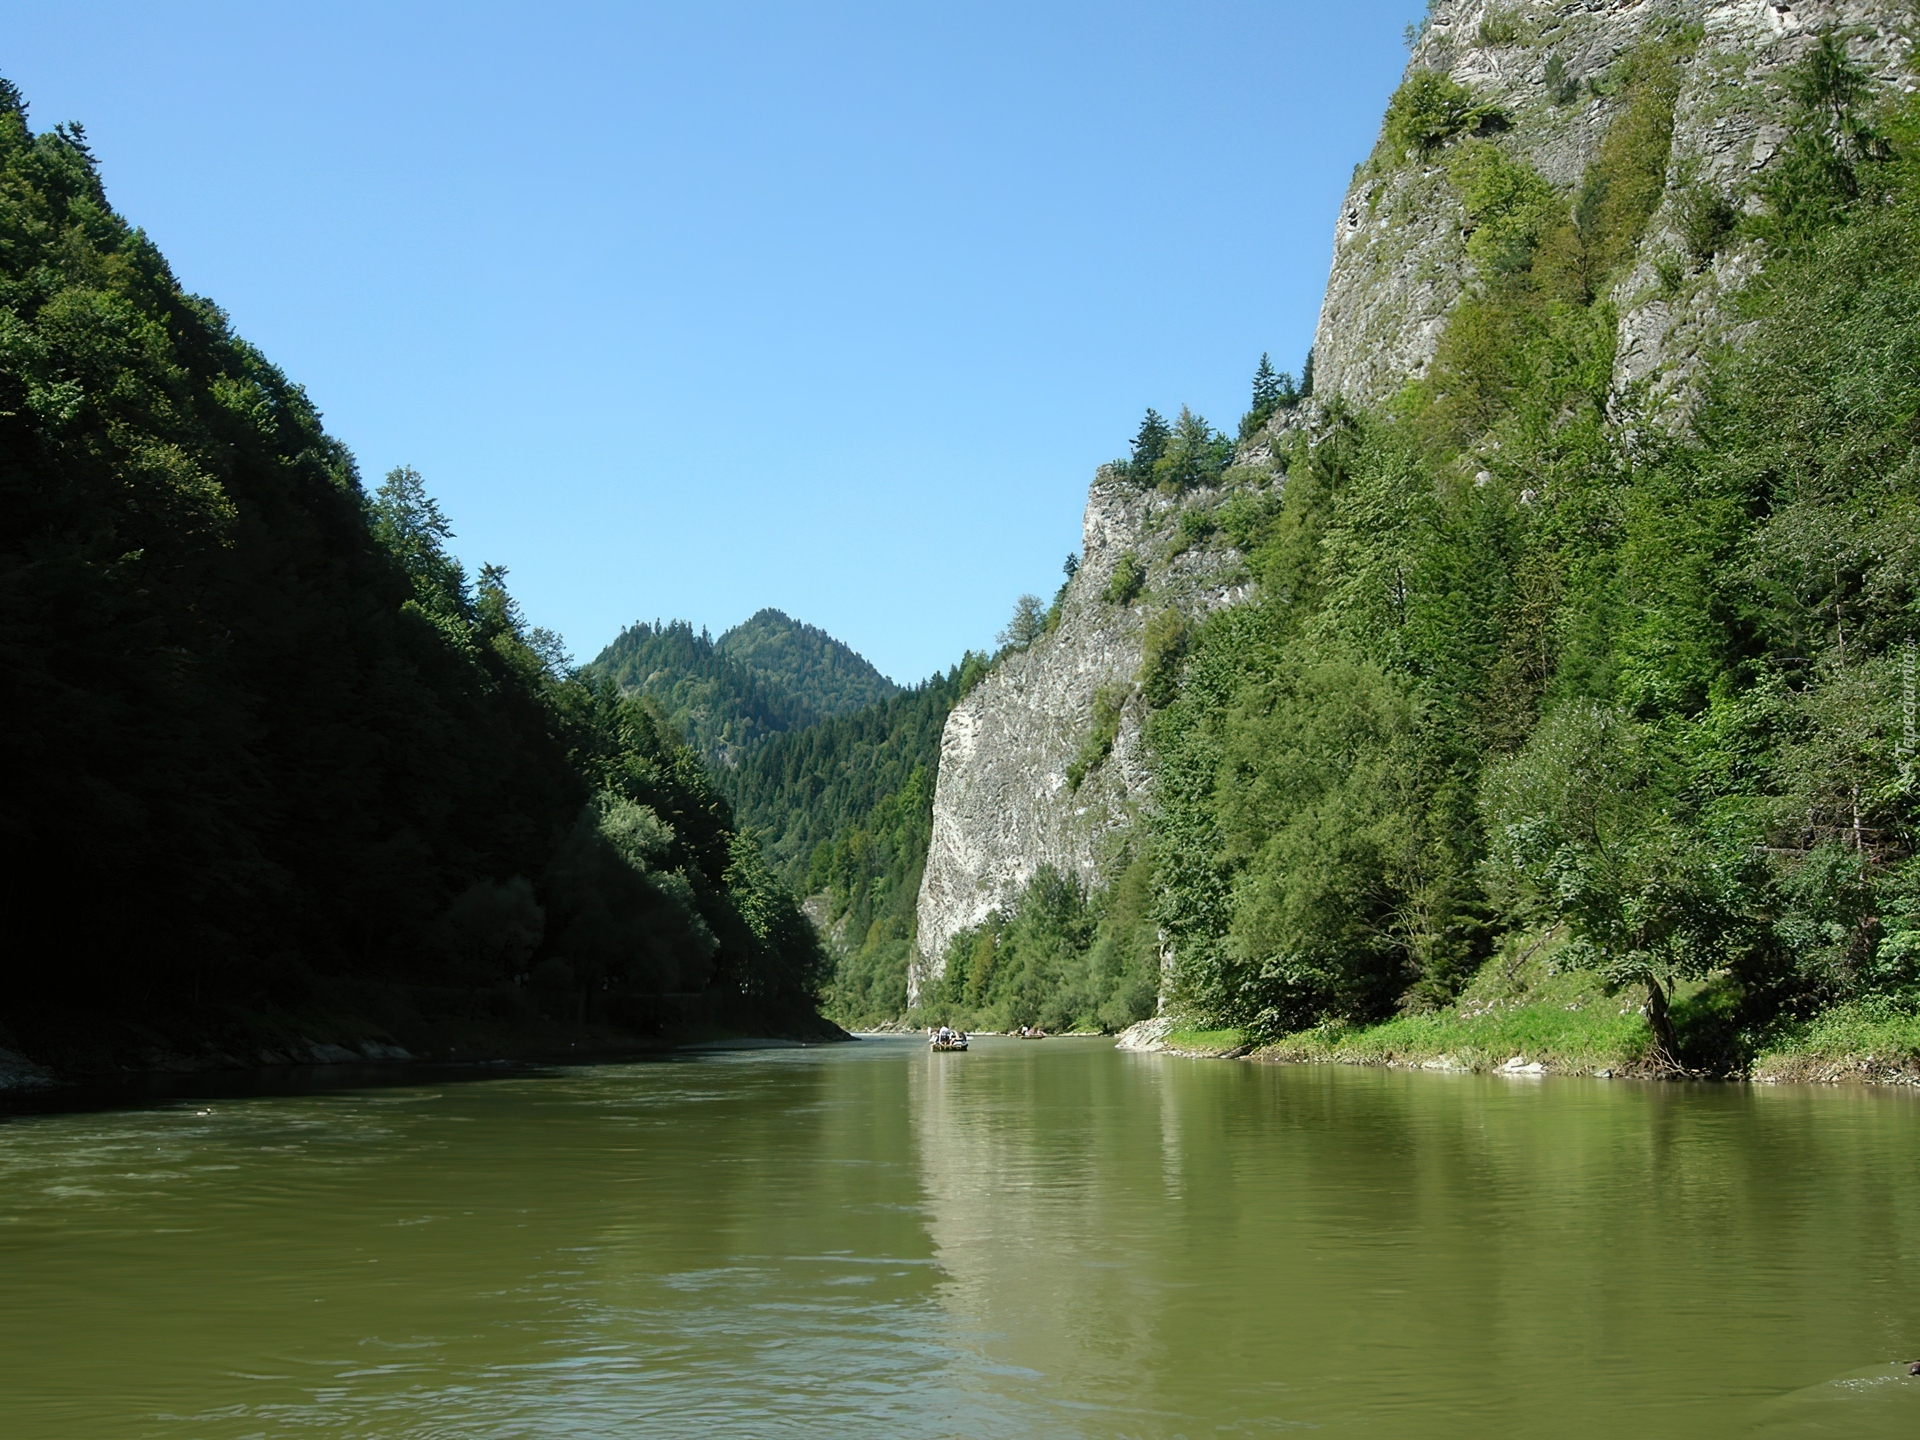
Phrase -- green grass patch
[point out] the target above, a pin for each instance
(1209, 1040)
(1585, 1039)
(1520, 1003)
(1861, 1038)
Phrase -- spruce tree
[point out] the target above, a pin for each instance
(1267, 387)
(1150, 444)
(1273, 390)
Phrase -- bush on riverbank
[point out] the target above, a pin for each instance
(1525, 1004)
(1874, 1040)
(1522, 1003)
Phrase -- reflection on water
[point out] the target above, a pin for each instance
(1024, 1240)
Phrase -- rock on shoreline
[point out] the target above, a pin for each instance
(17, 1073)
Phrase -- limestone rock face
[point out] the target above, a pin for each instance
(1004, 804)
(1399, 254)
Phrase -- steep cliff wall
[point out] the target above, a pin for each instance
(1401, 262)
(1005, 804)
(1400, 257)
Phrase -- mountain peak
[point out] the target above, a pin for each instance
(828, 675)
(769, 674)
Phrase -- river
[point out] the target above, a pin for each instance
(1052, 1239)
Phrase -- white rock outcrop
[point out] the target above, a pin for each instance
(1003, 804)
(1399, 253)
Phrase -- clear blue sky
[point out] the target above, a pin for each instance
(686, 310)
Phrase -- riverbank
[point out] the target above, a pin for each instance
(59, 1049)
(1525, 1016)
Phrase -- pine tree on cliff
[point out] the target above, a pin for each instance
(1273, 390)
(1267, 386)
(1150, 444)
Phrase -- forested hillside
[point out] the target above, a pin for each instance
(1538, 681)
(270, 747)
(843, 809)
(825, 675)
(766, 676)
(1530, 663)
(721, 707)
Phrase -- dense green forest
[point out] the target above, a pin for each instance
(844, 810)
(1535, 670)
(766, 676)
(269, 745)
(1527, 666)
(717, 704)
(827, 676)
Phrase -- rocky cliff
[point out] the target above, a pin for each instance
(1400, 243)
(1555, 80)
(1007, 801)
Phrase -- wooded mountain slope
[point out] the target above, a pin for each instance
(1526, 663)
(1532, 670)
(721, 706)
(265, 738)
(829, 677)
(766, 676)
(843, 810)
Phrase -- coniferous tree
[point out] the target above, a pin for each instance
(1195, 453)
(1818, 174)
(1028, 624)
(1149, 445)
(1273, 390)
(1306, 376)
(1266, 386)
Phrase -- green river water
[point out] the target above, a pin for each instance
(1053, 1239)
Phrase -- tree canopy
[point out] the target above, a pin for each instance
(271, 745)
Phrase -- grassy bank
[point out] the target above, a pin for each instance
(1873, 1042)
(1557, 1040)
(1524, 1010)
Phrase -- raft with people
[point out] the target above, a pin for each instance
(946, 1039)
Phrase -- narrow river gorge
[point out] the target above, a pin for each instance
(1053, 1239)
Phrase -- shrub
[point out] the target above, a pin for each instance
(1704, 218)
(1243, 517)
(1508, 204)
(1161, 652)
(1429, 109)
(1129, 579)
(1562, 88)
(1098, 744)
(1503, 27)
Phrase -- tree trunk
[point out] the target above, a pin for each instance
(1666, 1050)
